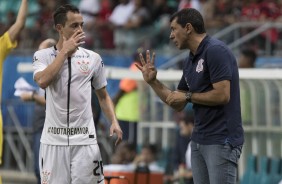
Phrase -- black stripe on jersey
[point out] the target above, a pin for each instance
(68, 101)
(92, 82)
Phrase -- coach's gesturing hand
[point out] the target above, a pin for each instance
(147, 67)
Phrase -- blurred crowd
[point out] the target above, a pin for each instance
(129, 24)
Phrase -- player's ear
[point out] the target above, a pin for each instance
(59, 27)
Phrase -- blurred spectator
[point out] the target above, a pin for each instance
(105, 37)
(263, 11)
(139, 17)
(181, 158)
(124, 153)
(148, 158)
(90, 10)
(161, 8)
(161, 11)
(196, 4)
(130, 20)
(184, 171)
(250, 11)
(121, 13)
(11, 18)
(247, 58)
(270, 12)
(219, 14)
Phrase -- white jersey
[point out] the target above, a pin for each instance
(69, 118)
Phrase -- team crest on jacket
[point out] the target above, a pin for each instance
(84, 66)
(200, 66)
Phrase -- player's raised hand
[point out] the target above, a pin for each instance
(148, 67)
(115, 128)
(71, 44)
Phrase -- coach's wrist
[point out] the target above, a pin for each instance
(188, 96)
(153, 82)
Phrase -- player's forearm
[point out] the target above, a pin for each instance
(108, 109)
(20, 21)
(45, 77)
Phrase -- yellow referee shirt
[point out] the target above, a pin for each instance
(5, 47)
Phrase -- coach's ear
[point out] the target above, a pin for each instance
(188, 28)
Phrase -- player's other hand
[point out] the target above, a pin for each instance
(147, 67)
(115, 129)
(27, 96)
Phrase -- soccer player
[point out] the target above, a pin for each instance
(210, 81)
(7, 43)
(69, 152)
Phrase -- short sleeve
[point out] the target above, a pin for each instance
(182, 84)
(6, 46)
(219, 61)
(99, 76)
(39, 62)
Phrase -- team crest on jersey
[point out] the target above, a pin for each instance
(45, 177)
(200, 66)
(84, 66)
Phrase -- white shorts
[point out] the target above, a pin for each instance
(70, 164)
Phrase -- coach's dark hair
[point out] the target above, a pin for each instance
(192, 16)
(60, 15)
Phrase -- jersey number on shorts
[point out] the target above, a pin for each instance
(99, 167)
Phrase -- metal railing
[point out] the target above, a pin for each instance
(17, 139)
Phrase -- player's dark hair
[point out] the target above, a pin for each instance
(60, 15)
(192, 16)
